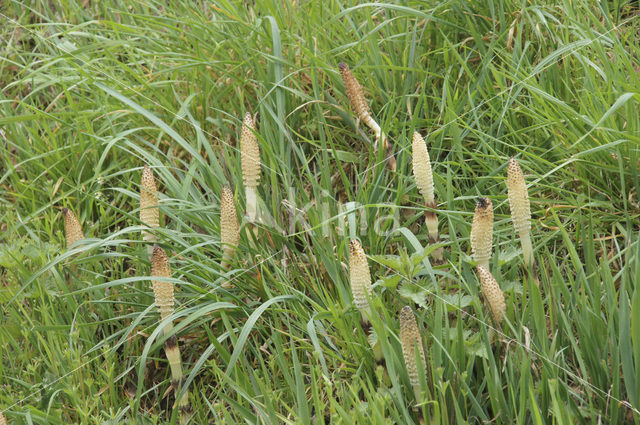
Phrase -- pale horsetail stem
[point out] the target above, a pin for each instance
(492, 294)
(229, 229)
(360, 278)
(3, 421)
(411, 340)
(149, 213)
(482, 232)
(250, 159)
(424, 180)
(164, 297)
(520, 209)
(361, 108)
(72, 227)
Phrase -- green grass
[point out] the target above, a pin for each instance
(92, 91)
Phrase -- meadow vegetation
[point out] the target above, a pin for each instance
(91, 92)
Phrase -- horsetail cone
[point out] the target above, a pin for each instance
(520, 208)
(72, 227)
(162, 289)
(410, 339)
(362, 111)
(229, 227)
(149, 213)
(482, 232)
(424, 180)
(163, 292)
(360, 277)
(250, 159)
(493, 294)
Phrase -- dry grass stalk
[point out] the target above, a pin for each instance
(360, 278)
(3, 421)
(520, 209)
(482, 232)
(149, 212)
(250, 159)
(363, 113)
(492, 294)
(410, 340)
(424, 180)
(72, 227)
(164, 297)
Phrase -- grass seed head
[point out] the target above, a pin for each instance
(482, 231)
(518, 198)
(360, 277)
(410, 339)
(250, 152)
(422, 168)
(229, 227)
(493, 294)
(72, 227)
(149, 213)
(162, 290)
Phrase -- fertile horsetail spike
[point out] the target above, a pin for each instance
(361, 108)
(163, 292)
(72, 227)
(229, 228)
(520, 208)
(493, 294)
(250, 158)
(149, 213)
(360, 277)
(410, 339)
(482, 232)
(424, 180)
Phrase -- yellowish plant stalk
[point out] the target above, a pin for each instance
(229, 229)
(411, 341)
(492, 294)
(72, 227)
(361, 108)
(360, 278)
(424, 180)
(520, 209)
(164, 297)
(149, 212)
(3, 421)
(482, 232)
(250, 159)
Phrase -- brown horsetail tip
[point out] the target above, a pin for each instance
(360, 278)
(482, 232)
(410, 339)
(72, 227)
(354, 91)
(422, 168)
(229, 227)
(162, 289)
(250, 152)
(493, 294)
